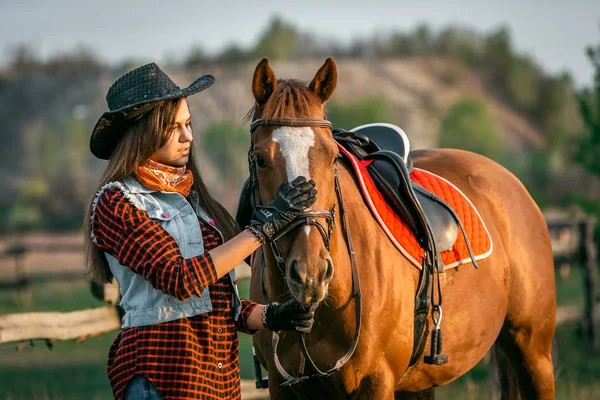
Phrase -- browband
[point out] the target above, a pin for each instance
(323, 123)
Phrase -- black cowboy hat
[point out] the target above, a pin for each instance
(132, 95)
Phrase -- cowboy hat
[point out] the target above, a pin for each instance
(132, 95)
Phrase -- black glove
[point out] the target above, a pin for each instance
(289, 316)
(291, 199)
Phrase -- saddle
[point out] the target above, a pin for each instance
(388, 147)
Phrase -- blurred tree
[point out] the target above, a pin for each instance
(461, 43)
(522, 83)
(422, 38)
(498, 54)
(57, 183)
(278, 41)
(23, 58)
(468, 125)
(81, 58)
(400, 45)
(537, 176)
(196, 57)
(558, 114)
(233, 54)
(226, 145)
(588, 152)
(364, 111)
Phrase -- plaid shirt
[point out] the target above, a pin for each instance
(189, 358)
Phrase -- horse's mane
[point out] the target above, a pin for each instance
(291, 99)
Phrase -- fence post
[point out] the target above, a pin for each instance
(21, 277)
(108, 292)
(588, 258)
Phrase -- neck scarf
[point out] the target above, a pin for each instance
(157, 176)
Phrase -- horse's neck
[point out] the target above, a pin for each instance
(363, 233)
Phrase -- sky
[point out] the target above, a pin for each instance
(554, 32)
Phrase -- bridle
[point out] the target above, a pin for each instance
(308, 218)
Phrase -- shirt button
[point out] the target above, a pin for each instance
(220, 330)
(220, 365)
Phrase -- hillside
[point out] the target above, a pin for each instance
(47, 118)
(417, 91)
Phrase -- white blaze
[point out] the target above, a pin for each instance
(294, 145)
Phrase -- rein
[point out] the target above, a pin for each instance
(309, 218)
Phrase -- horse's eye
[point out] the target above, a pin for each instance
(260, 162)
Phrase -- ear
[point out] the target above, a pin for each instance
(323, 84)
(264, 82)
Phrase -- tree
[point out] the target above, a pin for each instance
(196, 57)
(589, 107)
(365, 111)
(226, 144)
(589, 141)
(278, 42)
(468, 125)
(522, 83)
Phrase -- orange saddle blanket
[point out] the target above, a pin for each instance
(399, 233)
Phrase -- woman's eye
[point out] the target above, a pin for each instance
(260, 162)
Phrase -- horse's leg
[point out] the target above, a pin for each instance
(528, 330)
(428, 394)
(526, 337)
(379, 385)
(529, 353)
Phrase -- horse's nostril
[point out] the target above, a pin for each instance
(295, 274)
(329, 270)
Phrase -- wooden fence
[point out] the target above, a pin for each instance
(573, 244)
(572, 241)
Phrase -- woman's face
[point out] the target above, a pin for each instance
(177, 150)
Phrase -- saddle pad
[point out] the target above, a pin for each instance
(399, 233)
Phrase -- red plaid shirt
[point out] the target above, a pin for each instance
(189, 358)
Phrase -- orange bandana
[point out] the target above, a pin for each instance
(157, 176)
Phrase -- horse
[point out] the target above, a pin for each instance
(508, 303)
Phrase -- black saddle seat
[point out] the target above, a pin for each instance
(387, 137)
(394, 148)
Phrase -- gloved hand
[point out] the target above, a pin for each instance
(289, 316)
(291, 199)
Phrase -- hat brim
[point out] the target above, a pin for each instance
(112, 124)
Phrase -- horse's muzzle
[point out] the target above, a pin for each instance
(309, 285)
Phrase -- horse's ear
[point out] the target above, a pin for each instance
(263, 82)
(323, 84)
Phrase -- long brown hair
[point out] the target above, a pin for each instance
(139, 142)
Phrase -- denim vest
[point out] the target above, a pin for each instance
(143, 304)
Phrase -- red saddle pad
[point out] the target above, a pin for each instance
(399, 233)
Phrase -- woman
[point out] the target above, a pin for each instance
(173, 248)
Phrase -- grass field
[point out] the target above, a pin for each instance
(77, 371)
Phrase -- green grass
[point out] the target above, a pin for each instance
(78, 371)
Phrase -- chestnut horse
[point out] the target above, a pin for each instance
(509, 302)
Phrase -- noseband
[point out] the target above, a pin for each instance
(308, 218)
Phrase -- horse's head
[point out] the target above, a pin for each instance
(292, 138)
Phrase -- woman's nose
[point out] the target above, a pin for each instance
(186, 135)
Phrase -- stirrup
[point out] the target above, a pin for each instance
(435, 357)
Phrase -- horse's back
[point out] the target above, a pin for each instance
(497, 194)
(519, 228)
